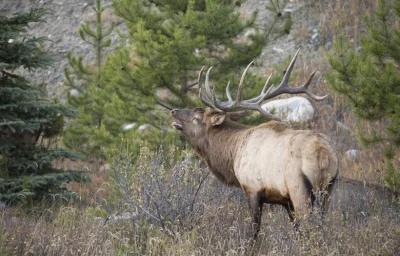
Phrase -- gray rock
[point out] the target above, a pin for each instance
(352, 154)
(144, 127)
(293, 109)
(128, 126)
(74, 93)
(120, 218)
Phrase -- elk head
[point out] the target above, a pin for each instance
(194, 123)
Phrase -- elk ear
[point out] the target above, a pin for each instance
(198, 113)
(217, 118)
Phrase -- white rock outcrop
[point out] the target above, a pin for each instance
(293, 109)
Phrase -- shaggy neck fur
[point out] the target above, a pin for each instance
(221, 143)
(219, 148)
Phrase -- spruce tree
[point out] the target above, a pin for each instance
(369, 77)
(86, 133)
(29, 121)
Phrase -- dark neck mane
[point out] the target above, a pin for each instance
(219, 150)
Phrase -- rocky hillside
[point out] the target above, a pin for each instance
(64, 19)
(61, 30)
(306, 30)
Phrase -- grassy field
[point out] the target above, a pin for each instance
(167, 203)
(221, 229)
(161, 206)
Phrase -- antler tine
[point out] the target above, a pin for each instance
(288, 71)
(204, 92)
(210, 89)
(206, 82)
(307, 84)
(283, 87)
(273, 91)
(266, 88)
(263, 93)
(200, 74)
(311, 95)
(228, 93)
(316, 97)
(240, 86)
(199, 78)
(207, 93)
(199, 83)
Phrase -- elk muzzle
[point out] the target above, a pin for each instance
(176, 123)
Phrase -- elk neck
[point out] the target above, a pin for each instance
(219, 149)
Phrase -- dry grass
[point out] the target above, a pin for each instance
(364, 219)
(221, 230)
(341, 17)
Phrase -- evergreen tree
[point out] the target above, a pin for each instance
(159, 58)
(369, 77)
(86, 133)
(29, 122)
(167, 44)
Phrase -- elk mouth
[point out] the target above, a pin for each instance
(177, 125)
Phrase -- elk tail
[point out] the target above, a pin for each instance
(328, 166)
(323, 158)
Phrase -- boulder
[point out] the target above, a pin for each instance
(128, 126)
(144, 127)
(293, 109)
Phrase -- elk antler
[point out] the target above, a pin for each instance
(207, 94)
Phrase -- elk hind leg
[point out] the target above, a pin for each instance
(256, 205)
(301, 196)
(327, 197)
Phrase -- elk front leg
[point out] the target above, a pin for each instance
(289, 210)
(256, 210)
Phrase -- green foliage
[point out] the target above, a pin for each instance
(87, 132)
(29, 122)
(277, 7)
(21, 53)
(369, 77)
(392, 177)
(168, 42)
(166, 45)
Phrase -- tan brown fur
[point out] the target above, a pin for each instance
(270, 162)
(274, 125)
(218, 154)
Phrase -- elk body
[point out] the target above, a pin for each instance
(270, 162)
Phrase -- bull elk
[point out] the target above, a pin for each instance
(270, 162)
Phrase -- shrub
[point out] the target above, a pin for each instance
(161, 187)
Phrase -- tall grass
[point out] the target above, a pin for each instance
(165, 203)
(363, 220)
